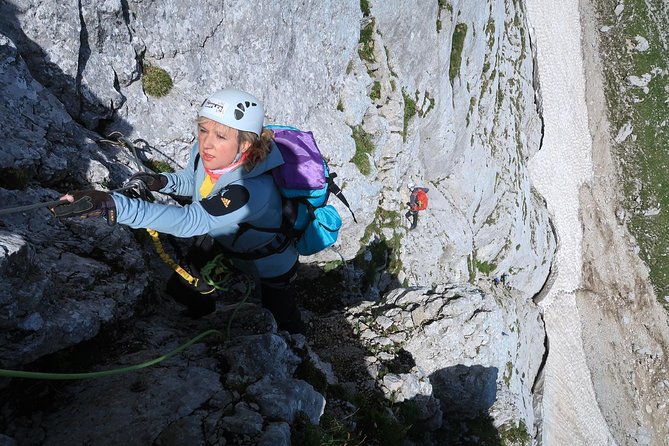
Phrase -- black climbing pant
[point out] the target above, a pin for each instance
(199, 300)
(413, 216)
(197, 304)
(278, 296)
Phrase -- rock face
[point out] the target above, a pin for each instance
(470, 138)
(443, 93)
(487, 365)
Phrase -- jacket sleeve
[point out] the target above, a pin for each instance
(187, 221)
(182, 182)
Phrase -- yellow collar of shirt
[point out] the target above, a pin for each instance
(207, 186)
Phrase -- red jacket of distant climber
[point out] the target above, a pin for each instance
(418, 199)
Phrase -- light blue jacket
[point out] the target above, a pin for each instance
(263, 209)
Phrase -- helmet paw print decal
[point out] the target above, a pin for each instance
(241, 109)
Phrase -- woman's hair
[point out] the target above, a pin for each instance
(259, 148)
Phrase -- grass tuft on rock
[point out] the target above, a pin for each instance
(156, 81)
(458, 44)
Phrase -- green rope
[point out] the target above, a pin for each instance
(87, 375)
(216, 267)
(30, 207)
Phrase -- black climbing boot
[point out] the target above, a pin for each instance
(281, 303)
(197, 304)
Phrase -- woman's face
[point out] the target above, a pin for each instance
(217, 144)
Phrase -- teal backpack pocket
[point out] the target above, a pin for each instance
(321, 232)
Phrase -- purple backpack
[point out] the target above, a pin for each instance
(305, 184)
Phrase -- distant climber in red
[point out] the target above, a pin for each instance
(417, 202)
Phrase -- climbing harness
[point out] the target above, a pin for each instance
(216, 273)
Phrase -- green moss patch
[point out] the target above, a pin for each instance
(156, 81)
(409, 112)
(485, 267)
(364, 7)
(366, 42)
(458, 40)
(364, 147)
(514, 434)
(375, 94)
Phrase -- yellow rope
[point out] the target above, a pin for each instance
(167, 259)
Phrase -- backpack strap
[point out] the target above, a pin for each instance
(332, 187)
(275, 246)
(285, 233)
(289, 215)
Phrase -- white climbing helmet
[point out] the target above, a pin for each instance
(236, 109)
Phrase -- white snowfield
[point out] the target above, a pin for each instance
(570, 411)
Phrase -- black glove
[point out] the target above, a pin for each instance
(88, 203)
(154, 181)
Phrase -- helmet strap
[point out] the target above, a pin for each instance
(239, 154)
